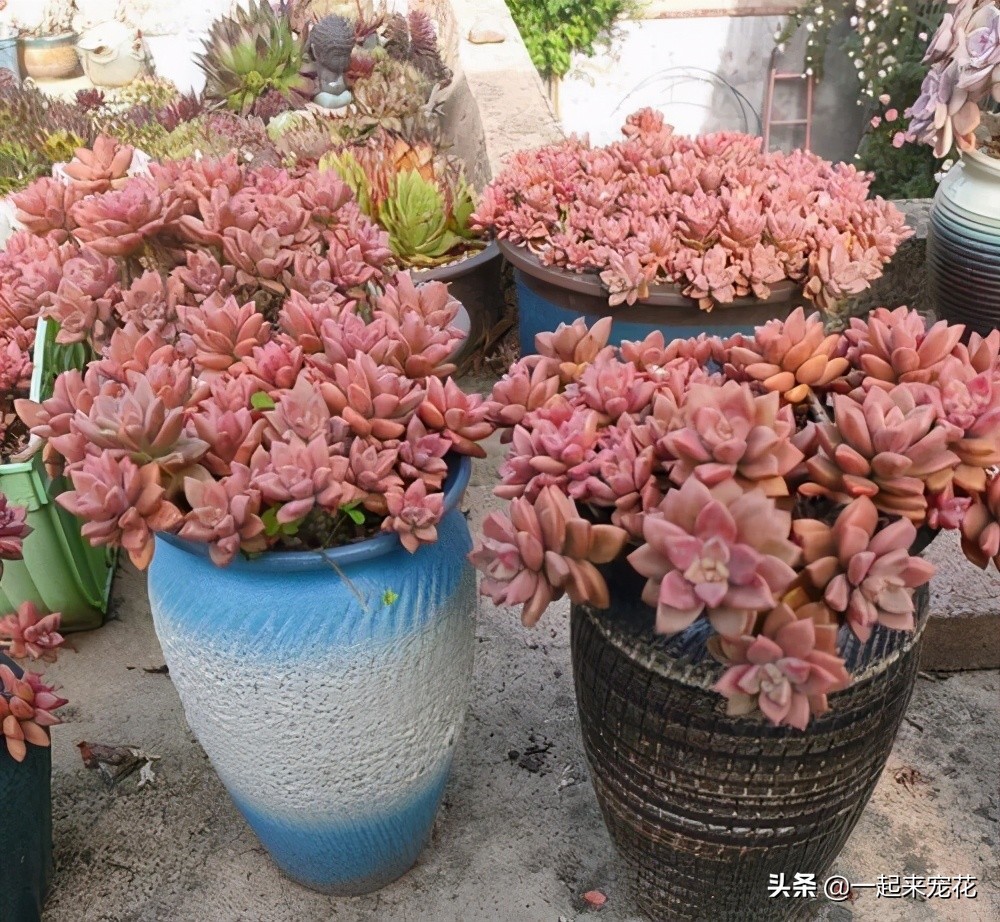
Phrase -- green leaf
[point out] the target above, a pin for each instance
(389, 597)
(356, 515)
(262, 401)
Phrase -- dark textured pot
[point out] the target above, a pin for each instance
(476, 282)
(963, 244)
(548, 296)
(25, 830)
(704, 807)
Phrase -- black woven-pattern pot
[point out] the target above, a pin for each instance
(704, 807)
(25, 831)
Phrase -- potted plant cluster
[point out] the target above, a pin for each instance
(44, 272)
(963, 245)
(47, 48)
(26, 713)
(681, 230)
(422, 199)
(737, 524)
(270, 405)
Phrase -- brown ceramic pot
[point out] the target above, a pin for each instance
(704, 807)
(52, 57)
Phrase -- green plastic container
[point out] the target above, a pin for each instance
(60, 570)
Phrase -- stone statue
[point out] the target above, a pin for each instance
(331, 41)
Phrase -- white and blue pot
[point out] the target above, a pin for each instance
(963, 244)
(328, 689)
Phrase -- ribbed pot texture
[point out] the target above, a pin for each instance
(703, 807)
(963, 244)
(328, 689)
(25, 830)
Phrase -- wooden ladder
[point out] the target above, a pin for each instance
(770, 122)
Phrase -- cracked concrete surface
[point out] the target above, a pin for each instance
(519, 838)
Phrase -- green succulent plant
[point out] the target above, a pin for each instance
(19, 167)
(60, 145)
(424, 226)
(251, 53)
(418, 195)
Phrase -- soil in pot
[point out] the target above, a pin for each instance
(703, 807)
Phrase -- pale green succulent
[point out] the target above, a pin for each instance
(19, 167)
(251, 53)
(423, 229)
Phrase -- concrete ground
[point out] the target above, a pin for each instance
(519, 838)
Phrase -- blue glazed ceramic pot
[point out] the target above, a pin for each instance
(328, 689)
(547, 297)
(963, 244)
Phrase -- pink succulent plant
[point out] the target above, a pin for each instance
(29, 633)
(863, 570)
(752, 481)
(14, 528)
(783, 672)
(414, 515)
(26, 706)
(259, 361)
(543, 551)
(722, 551)
(716, 216)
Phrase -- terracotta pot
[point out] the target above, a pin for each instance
(963, 244)
(25, 830)
(52, 57)
(704, 807)
(548, 296)
(477, 284)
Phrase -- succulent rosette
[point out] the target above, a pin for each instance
(264, 378)
(774, 486)
(716, 216)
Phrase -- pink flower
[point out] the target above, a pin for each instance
(876, 121)
(891, 115)
(898, 139)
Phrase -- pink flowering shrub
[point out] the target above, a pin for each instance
(262, 377)
(771, 485)
(714, 215)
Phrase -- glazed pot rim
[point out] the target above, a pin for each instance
(662, 295)
(61, 38)
(455, 485)
(984, 160)
(452, 271)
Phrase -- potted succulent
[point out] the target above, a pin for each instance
(707, 234)
(47, 40)
(737, 524)
(271, 407)
(42, 271)
(422, 199)
(26, 706)
(963, 244)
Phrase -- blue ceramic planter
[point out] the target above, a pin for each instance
(328, 689)
(963, 244)
(548, 297)
(25, 830)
